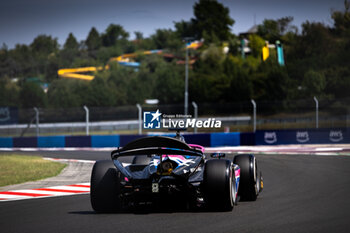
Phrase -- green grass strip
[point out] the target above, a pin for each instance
(16, 169)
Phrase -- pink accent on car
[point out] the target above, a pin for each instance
(126, 179)
(197, 146)
(237, 172)
(181, 157)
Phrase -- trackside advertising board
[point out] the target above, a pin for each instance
(302, 136)
(8, 115)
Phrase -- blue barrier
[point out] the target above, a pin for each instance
(25, 142)
(125, 139)
(6, 142)
(302, 136)
(78, 141)
(51, 141)
(247, 139)
(105, 140)
(225, 139)
(260, 137)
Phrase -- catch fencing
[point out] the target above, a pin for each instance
(237, 117)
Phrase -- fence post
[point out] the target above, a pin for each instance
(316, 101)
(36, 120)
(186, 83)
(140, 117)
(87, 119)
(254, 114)
(195, 106)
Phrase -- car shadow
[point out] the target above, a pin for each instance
(148, 211)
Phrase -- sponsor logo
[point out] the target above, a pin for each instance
(151, 120)
(302, 136)
(270, 137)
(187, 123)
(335, 135)
(4, 114)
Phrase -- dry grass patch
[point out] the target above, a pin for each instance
(16, 169)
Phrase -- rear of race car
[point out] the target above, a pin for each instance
(165, 183)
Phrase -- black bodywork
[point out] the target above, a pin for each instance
(167, 172)
(174, 172)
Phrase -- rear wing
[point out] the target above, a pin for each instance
(157, 145)
(156, 150)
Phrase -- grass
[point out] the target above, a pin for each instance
(16, 169)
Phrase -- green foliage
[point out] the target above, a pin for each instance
(9, 92)
(313, 83)
(338, 81)
(61, 94)
(212, 19)
(273, 30)
(240, 85)
(114, 34)
(317, 64)
(32, 95)
(342, 19)
(71, 43)
(44, 45)
(93, 40)
(184, 29)
(101, 93)
(169, 86)
(256, 43)
(209, 81)
(270, 83)
(166, 38)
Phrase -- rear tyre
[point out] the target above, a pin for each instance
(249, 184)
(105, 187)
(141, 160)
(219, 184)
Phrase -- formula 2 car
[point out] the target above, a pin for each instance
(167, 172)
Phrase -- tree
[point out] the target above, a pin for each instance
(93, 40)
(338, 81)
(138, 35)
(32, 95)
(71, 43)
(342, 19)
(166, 38)
(313, 83)
(169, 86)
(184, 29)
(9, 92)
(256, 43)
(40, 50)
(101, 93)
(43, 45)
(114, 33)
(240, 85)
(273, 30)
(212, 19)
(209, 82)
(276, 84)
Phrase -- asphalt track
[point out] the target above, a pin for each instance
(302, 193)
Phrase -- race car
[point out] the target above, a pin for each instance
(167, 172)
